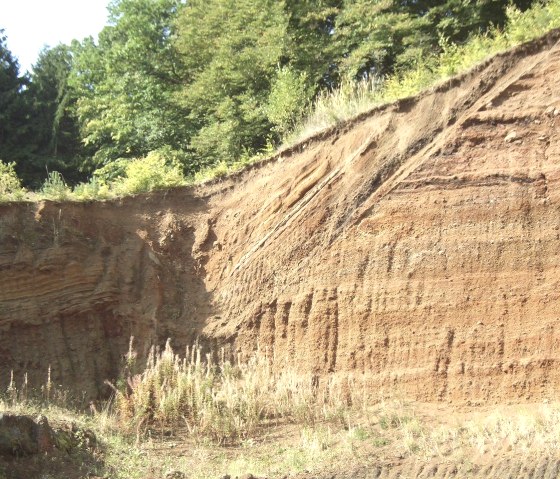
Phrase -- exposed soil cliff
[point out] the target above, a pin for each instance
(418, 244)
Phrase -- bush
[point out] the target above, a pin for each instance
(55, 188)
(539, 19)
(10, 184)
(111, 172)
(288, 100)
(95, 189)
(149, 173)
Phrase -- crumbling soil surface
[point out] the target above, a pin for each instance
(419, 441)
(534, 468)
(418, 245)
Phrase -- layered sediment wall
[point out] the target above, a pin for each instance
(417, 246)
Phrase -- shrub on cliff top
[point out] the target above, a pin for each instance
(55, 188)
(10, 185)
(150, 173)
(158, 170)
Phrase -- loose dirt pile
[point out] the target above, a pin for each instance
(418, 245)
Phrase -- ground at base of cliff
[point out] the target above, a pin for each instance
(395, 439)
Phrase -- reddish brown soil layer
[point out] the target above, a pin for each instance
(415, 245)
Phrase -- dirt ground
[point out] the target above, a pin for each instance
(393, 440)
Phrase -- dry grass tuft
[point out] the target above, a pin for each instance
(226, 401)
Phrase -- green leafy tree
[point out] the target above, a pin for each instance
(311, 25)
(52, 101)
(13, 109)
(375, 37)
(127, 82)
(38, 129)
(288, 100)
(231, 51)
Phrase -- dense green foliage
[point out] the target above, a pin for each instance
(13, 110)
(52, 104)
(126, 83)
(377, 37)
(230, 50)
(172, 90)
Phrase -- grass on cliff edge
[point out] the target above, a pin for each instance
(354, 98)
(160, 170)
(208, 416)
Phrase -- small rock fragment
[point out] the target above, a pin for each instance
(556, 112)
(512, 135)
(21, 435)
(542, 138)
(549, 111)
(17, 435)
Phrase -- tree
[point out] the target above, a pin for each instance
(127, 82)
(38, 129)
(311, 25)
(375, 37)
(231, 51)
(52, 101)
(13, 110)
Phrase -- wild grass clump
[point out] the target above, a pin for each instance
(55, 188)
(524, 430)
(330, 108)
(20, 396)
(520, 429)
(223, 400)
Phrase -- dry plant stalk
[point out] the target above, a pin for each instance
(225, 400)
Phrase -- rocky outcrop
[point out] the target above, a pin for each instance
(416, 247)
(21, 435)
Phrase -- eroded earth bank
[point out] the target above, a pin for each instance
(418, 244)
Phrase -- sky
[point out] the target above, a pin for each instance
(32, 24)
